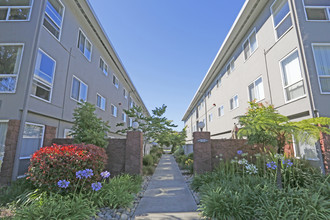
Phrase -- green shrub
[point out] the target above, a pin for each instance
(11, 192)
(148, 170)
(51, 164)
(118, 192)
(148, 160)
(56, 206)
(178, 152)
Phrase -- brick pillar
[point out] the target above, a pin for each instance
(325, 149)
(134, 152)
(202, 152)
(50, 134)
(116, 156)
(10, 150)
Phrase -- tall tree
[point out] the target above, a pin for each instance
(264, 125)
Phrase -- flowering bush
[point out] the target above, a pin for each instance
(49, 165)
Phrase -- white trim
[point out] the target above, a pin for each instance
(60, 34)
(52, 85)
(260, 76)
(126, 94)
(19, 67)
(116, 80)
(317, 72)
(115, 108)
(231, 109)
(73, 76)
(105, 102)
(220, 111)
(275, 27)
(86, 39)
(104, 63)
(254, 30)
(306, 17)
(231, 69)
(4, 121)
(17, 7)
(282, 75)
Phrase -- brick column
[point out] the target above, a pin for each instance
(116, 156)
(134, 152)
(202, 152)
(50, 134)
(10, 150)
(325, 149)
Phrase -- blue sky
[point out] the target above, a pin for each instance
(167, 46)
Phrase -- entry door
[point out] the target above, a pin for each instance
(31, 142)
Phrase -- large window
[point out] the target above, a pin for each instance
(322, 62)
(103, 66)
(54, 17)
(100, 102)
(281, 17)
(43, 76)
(114, 110)
(317, 10)
(250, 44)
(233, 102)
(3, 133)
(79, 90)
(85, 45)
(15, 10)
(292, 77)
(256, 90)
(10, 61)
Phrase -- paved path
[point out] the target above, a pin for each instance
(167, 195)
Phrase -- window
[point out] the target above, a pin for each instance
(100, 102)
(210, 117)
(281, 17)
(125, 93)
(10, 61)
(32, 141)
(256, 90)
(132, 103)
(54, 17)
(130, 122)
(305, 149)
(3, 133)
(322, 62)
(123, 116)
(209, 94)
(231, 66)
(218, 82)
(317, 10)
(250, 45)
(115, 81)
(114, 110)
(292, 78)
(79, 90)
(15, 10)
(103, 66)
(221, 111)
(43, 76)
(85, 45)
(234, 102)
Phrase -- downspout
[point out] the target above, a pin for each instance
(267, 73)
(301, 48)
(30, 72)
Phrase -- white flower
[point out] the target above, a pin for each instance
(251, 169)
(243, 161)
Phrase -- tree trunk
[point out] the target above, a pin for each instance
(279, 174)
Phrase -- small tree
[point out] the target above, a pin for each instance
(87, 127)
(264, 125)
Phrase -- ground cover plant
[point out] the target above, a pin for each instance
(185, 162)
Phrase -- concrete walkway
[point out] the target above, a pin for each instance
(167, 195)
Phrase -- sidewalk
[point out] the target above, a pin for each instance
(167, 195)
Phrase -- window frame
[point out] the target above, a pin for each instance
(52, 85)
(317, 72)
(17, 7)
(19, 67)
(124, 119)
(105, 102)
(253, 82)
(125, 93)
(60, 34)
(282, 77)
(86, 39)
(285, 17)
(327, 8)
(233, 98)
(219, 111)
(210, 117)
(254, 31)
(116, 81)
(115, 108)
(231, 65)
(104, 64)
(80, 81)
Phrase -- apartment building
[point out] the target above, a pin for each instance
(276, 52)
(53, 55)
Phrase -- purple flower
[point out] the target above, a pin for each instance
(89, 173)
(239, 152)
(105, 174)
(63, 183)
(84, 173)
(271, 165)
(96, 186)
(287, 162)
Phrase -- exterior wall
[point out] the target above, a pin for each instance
(313, 32)
(264, 62)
